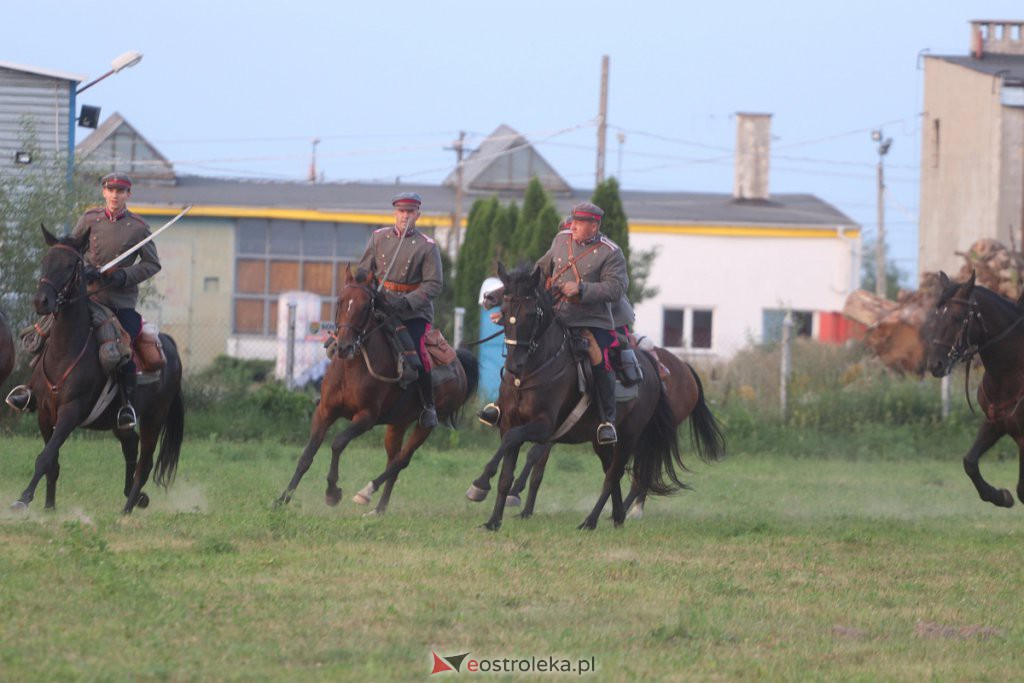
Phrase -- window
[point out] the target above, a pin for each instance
(689, 328)
(771, 324)
(275, 256)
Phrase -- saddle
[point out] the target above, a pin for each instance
(623, 357)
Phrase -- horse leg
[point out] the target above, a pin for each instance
(538, 458)
(145, 446)
(511, 442)
(987, 436)
(317, 430)
(613, 460)
(51, 484)
(415, 440)
(1020, 475)
(46, 461)
(393, 447)
(478, 490)
(524, 475)
(634, 503)
(129, 441)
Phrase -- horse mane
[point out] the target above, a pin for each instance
(998, 299)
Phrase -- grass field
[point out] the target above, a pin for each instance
(774, 567)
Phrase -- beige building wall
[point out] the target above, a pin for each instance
(192, 301)
(962, 168)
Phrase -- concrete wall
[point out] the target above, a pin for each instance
(739, 277)
(962, 169)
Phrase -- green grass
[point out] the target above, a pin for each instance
(774, 567)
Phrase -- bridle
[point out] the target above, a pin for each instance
(962, 349)
(515, 306)
(65, 294)
(360, 330)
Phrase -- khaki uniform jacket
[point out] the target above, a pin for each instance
(622, 313)
(602, 276)
(417, 264)
(108, 240)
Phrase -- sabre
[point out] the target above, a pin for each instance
(394, 257)
(138, 246)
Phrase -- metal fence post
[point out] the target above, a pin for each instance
(946, 388)
(785, 364)
(460, 318)
(289, 371)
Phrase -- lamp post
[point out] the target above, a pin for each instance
(883, 148)
(121, 62)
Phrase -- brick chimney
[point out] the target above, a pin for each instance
(753, 148)
(989, 37)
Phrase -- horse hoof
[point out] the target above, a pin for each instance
(1007, 498)
(332, 498)
(370, 513)
(143, 501)
(19, 506)
(635, 512)
(512, 501)
(365, 495)
(475, 493)
(587, 525)
(492, 526)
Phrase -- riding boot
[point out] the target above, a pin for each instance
(489, 414)
(428, 418)
(126, 418)
(20, 398)
(413, 364)
(604, 381)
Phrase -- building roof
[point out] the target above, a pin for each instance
(667, 208)
(40, 71)
(117, 145)
(992, 64)
(505, 160)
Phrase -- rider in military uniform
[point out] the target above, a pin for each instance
(587, 273)
(408, 263)
(113, 229)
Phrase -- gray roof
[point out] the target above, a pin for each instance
(659, 207)
(505, 160)
(1008, 66)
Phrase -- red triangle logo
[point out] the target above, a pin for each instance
(440, 665)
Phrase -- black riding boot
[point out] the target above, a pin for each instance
(605, 384)
(126, 417)
(428, 418)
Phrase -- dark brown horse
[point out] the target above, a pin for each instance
(68, 381)
(685, 396)
(7, 351)
(540, 390)
(970, 320)
(361, 385)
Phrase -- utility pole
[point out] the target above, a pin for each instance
(883, 148)
(602, 120)
(453, 238)
(312, 162)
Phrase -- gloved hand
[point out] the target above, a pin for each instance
(92, 273)
(116, 279)
(401, 304)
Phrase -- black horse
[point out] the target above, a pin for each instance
(540, 390)
(7, 351)
(68, 381)
(970, 320)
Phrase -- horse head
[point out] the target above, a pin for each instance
(526, 313)
(951, 326)
(61, 278)
(356, 306)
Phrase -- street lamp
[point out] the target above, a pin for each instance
(121, 62)
(884, 144)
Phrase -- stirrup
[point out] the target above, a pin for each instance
(489, 414)
(126, 418)
(20, 398)
(606, 433)
(428, 418)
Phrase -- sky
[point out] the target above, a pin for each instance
(243, 89)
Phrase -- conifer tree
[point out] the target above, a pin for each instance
(615, 224)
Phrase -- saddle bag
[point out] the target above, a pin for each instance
(149, 352)
(628, 368)
(114, 343)
(438, 347)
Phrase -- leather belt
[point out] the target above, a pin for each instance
(400, 287)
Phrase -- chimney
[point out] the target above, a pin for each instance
(990, 37)
(753, 147)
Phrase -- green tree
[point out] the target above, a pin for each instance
(615, 224)
(502, 234)
(534, 201)
(545, 227)
(893, 274)
(473, 260)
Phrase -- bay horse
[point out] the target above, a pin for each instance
(685, 395)
(969, 319)
(540, 390)
(361, 384)
(7, 350)
(68, 380)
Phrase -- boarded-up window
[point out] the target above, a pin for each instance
(249, 316)
(284, 276)
(316, 277)
(251, 277)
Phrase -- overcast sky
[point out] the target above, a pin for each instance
(242, 88)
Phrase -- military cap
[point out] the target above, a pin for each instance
(116, 180)
(585, 211)
(406, 200)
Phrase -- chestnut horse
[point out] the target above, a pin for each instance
(685, 395)
(361, 385)
(971, 320)
(68, 380)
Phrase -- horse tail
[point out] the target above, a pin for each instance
(173, 432)
(471, 367)
(657, 452)
(705, 430)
